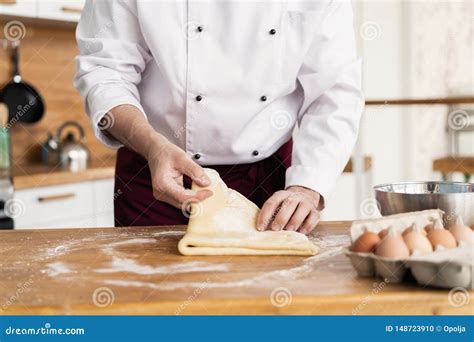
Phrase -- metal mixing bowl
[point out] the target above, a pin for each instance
(454, 198)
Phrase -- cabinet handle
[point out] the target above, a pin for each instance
(7, 2)
(70, 9)
(56, 197)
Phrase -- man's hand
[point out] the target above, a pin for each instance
(295, 208)
(168, 164)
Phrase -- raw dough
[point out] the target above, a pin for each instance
(225, 224)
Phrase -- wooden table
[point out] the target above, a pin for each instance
(452, 100)
(139, 271)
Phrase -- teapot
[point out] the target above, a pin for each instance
(73, 154)
(70, 151)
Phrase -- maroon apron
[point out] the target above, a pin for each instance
(134, 204)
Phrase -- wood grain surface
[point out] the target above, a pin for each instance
(30, 176)
(139, 271)
(464, 164)
(454, 100)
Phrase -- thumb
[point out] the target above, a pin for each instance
(195, 172)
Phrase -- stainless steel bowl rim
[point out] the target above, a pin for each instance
(383, 188)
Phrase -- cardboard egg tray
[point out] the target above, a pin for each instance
(447, 268)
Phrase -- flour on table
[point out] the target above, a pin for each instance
(330, 246)
(57, 268)
(131, 242)
(328, 241)
(74, 244)
(168, 233)
(119, 264)
(68, 246)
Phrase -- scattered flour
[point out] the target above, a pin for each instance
(120, 263)
(169, 233)
(68, 246)
(278, 275)
(57, 268)
(329, 246)
(131, 242)
(329, 241)
(131, 266)
(130, 283)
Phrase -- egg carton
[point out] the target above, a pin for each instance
(447, 268)
(398, 222)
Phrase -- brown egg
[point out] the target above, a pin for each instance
(366, 243)
(413, 228)
(442, 237)
(428, 228)
(417, 242)
(392, 246)
(461, 232)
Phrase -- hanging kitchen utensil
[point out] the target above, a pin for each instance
(24, 102)
(73, 154)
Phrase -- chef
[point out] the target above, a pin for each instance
(177, 86)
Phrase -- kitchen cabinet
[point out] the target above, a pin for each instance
(104, 202)
(76, 205)
(19, 8)
(62, 10)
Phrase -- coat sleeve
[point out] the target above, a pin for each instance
(333, 102)
(113, 55)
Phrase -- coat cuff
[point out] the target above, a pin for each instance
(320, 180)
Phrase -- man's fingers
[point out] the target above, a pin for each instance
(201, 195)
(197, 197)
(173, 193)
(269, 209)
(298, 217)
(194, 171)
(169, 189)
(287, 208)
(310, 222)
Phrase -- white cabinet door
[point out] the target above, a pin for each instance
(79, 205)
(20, 8)
(86, 222)
(64, 10)
(104, 202)
(55, 206)
(105, 220)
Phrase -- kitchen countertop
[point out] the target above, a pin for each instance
(32, 175)
(139, 271)
(26, 176)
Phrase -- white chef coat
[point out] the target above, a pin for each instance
(227, 81)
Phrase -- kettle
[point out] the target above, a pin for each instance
(50, 150)
(73, 154)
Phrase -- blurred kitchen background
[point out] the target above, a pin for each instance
(418, 123)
